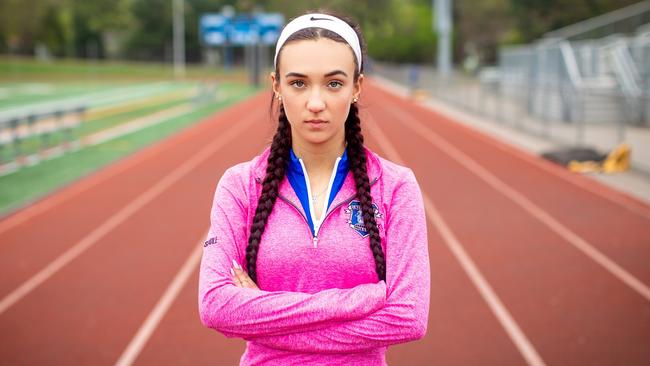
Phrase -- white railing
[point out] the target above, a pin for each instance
(626, 19)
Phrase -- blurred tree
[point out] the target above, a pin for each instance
(20, 24)
(54, 31)
(65, 27)
(395, 30)
(152, 36)
(481, 26)
(533, 18)
(405, 34)
(98, 23)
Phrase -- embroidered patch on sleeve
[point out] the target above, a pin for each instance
(355, 217)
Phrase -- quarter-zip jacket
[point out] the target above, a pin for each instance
(299, 179)
(317, 304)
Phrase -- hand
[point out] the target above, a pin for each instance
(241, 278)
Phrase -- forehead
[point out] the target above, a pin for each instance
(316, 57)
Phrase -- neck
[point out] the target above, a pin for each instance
(318, 159)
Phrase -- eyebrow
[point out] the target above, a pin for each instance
(331, 73)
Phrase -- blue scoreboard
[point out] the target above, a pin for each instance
(216, 29)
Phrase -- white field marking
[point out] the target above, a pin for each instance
(156, 99)
(491, 298)
(53, 124)
(135, 125)
(164, 303)
(547, 219)
(83, 185)
(456, 115)
(126, 212)
(90, 99)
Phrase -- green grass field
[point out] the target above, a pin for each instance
(20, 70)
(152, 90)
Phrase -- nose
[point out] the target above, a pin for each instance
(315, 103)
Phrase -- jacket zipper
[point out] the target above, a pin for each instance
(314, 237)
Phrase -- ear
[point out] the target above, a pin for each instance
(357, 87)
(274, 83)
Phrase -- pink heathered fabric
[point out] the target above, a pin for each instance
(317, 305)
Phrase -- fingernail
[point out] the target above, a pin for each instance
(234, 264)
(233, 272)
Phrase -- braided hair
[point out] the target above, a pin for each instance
(280, 154)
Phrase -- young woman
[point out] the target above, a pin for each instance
(317, 252)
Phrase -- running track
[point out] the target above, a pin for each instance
(529, 264)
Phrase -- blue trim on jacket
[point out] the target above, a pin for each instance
(298, 182)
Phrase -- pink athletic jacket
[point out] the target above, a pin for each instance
(319, 303)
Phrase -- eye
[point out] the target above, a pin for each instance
(334, 84)
(297, 83)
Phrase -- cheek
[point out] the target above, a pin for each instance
(293, 108)
(340, 105)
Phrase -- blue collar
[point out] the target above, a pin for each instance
(297, 177)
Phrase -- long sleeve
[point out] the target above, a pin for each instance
(243, 312)
(404, 316)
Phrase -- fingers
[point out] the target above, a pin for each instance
(241, 278)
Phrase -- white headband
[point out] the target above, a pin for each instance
(325, 21)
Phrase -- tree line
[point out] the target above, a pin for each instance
(395, 30)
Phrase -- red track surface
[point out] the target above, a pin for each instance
(139, 220)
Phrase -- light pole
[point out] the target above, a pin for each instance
(179, 38)
(443, 25)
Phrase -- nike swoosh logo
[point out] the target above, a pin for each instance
(312, 18)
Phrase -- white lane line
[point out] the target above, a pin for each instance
(164, 303)
(126, 212)
(547, 219)
(611, 194)
(506, 320)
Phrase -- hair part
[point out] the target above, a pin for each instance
(279, 158)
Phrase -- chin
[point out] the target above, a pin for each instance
(317, 141)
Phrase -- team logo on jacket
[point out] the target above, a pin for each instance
(355, 218)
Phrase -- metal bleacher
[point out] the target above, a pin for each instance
(596, 71)
(29, 128)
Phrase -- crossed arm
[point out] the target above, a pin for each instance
(246, 312)
(334, 320)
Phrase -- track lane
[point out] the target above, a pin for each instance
(462, 330)
(459, 327)
(114, 284)
(32, 238)
(453, 245)
(570, 309)
(620, 234)
(550, 288)
(180, 336)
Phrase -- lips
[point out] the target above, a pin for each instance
(316, 121)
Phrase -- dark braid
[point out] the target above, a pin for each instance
(279, 157)
(275, 170)
(357, 163)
